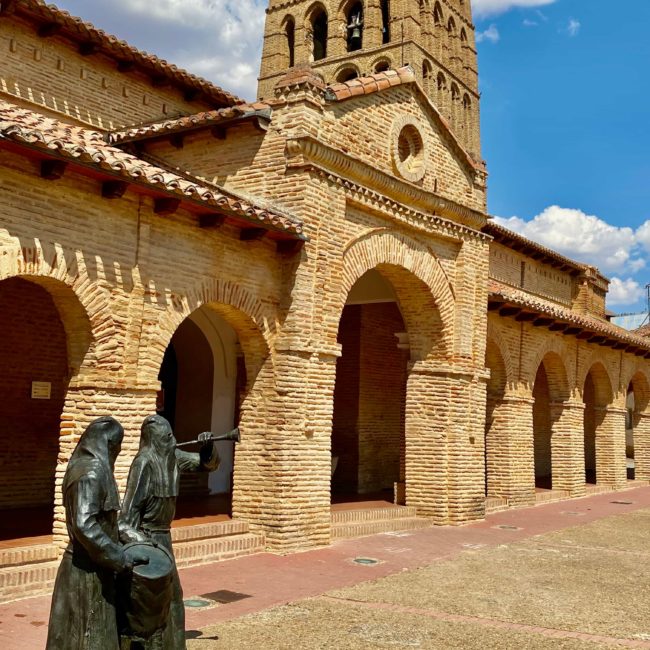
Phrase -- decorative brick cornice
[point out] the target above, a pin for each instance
(383, 190)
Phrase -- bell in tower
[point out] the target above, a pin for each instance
(355, 28)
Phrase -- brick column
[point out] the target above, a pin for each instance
(283, 464)
(610, 447)
(567, 447)
(510, 455)
(85, 403)
(372, 34)
(445, 420)
(641, 446)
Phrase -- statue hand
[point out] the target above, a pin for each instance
(205, 436)
(138, 559)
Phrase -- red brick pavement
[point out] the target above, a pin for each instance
(270, 580)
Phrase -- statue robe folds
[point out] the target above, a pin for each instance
(83, 614)
(150, 505)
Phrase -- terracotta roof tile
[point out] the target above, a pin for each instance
(79, 31)
(370, 84)
(84, 146)
(190, 122)
(591, 323)
(301, 74)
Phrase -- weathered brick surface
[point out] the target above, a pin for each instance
(466, 393)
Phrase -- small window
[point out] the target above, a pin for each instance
(382, 66)
(347, 74)
(355, 27)
(385, 21)
(319, 28)
(463, 36)
(442, 82)
(290, 34)
(438, 18)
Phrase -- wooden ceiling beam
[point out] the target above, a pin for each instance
(88, 48)
(46, 30)
(114, 189)
(289, 246)
(53, 170)
(559, 327)
(509, 311)
(525, 317)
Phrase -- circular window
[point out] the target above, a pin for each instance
(409, 151)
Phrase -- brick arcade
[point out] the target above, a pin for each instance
(316, 267)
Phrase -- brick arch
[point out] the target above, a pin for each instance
(495, 361)
(557, 352)
(424, 294)
(252, 319)
(603, 383)
(496, 339)
(640, 380)
(84, 307)
(556, 372)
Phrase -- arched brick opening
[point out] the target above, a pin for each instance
(370, 393)
(201, 378)
(495, 424)
(45, 342)
(597, 395)
(384, 334)
(637, 427)
(216, 373)
(550, 391)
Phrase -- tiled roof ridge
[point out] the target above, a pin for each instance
(188, 122)
(84, 32)
(300, 74)
(369, 84)
(87, 147)
(492, 227)
(601, 326)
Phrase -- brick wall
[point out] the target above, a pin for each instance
(51, 73)
(32, 348)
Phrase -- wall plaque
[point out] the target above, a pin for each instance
(41, 390)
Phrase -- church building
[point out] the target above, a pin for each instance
(316, 267)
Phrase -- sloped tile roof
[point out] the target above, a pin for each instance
(190, 122)
(84, 146)
(84, 33)
(371, 84)
(526, 300)
(505, 235)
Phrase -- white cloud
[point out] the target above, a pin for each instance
(583, 237)
(218, 39)
(573, 28)
(526, 22)
(589, 239)
(624, 292)
(483, 8)
(490, 34)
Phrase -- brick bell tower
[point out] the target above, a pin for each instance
(345, 39)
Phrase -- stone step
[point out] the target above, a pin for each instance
(24, 555)
(362, 528)
(363, 515)
(202, 551)
(26, 581)
(208, 531)
(551, 496)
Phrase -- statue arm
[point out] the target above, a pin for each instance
(135, 499)
(84, 509)
(207, 460)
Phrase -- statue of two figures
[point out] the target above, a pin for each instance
(118, 587)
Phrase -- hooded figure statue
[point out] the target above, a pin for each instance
(150, 505)
(83, 614)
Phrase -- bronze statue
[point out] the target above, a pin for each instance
(149, 508)
(83, 614)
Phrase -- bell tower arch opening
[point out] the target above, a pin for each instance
(331, 34)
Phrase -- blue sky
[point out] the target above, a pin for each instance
(564, 110)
